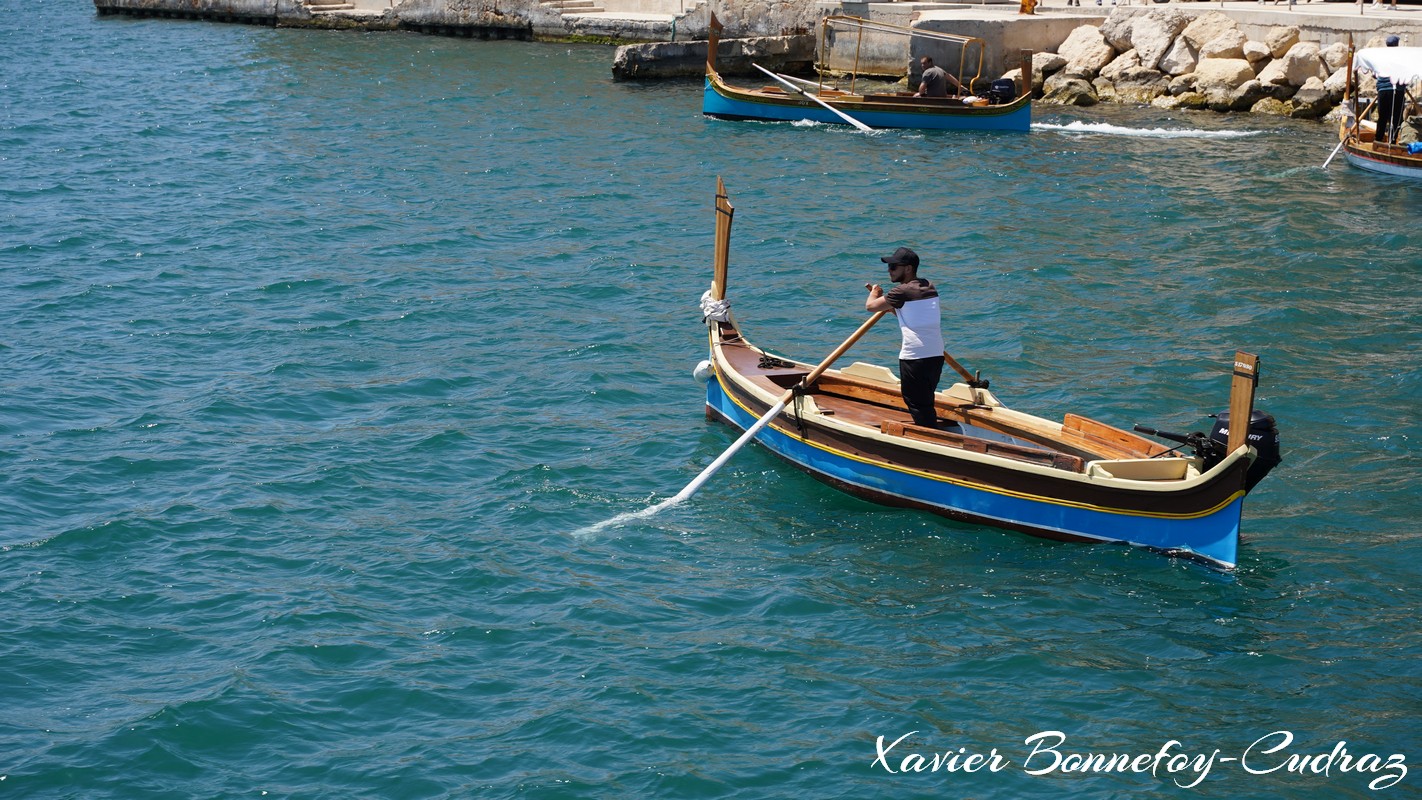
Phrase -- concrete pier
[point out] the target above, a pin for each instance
(1000, 24)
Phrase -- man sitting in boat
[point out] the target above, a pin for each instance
(914, 302)
(935, 80)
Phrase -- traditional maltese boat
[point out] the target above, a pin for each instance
(1070, 478)
(1357, 136)
(1001, 106)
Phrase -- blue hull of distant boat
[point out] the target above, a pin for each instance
(720, 100)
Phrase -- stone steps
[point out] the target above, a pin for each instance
(573, 6)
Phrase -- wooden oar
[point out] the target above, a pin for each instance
(1334, 153)
(792, 87)
(750, 433)
(775, 410)
(1344, 140)
(972, 380)
(959, 368)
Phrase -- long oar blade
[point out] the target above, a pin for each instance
(696, 482)
(777, 408)
(1334, 153)
(699, 480)
(792, 87)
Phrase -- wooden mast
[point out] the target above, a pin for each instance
(1348, 94)
(722, 254)
(1241, 398)
(713, 40)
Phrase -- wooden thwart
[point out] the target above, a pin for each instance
(973, 444)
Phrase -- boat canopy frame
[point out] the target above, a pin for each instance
(1397, 62)
(965, 43)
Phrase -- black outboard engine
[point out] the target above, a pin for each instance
(1263, 437)
(1002, 90)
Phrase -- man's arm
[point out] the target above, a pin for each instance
(876, 301)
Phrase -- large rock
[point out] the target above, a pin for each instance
(1274, 73)
(1153, 34)
(1068, 90)
(1127, 60)
(1311, 101)
(1044, 64)
(1334, 56)
(1015, 75)
(1222, 73)
(1272, 105)
(1240, 99)
(1183, 84)
(1105, 90)
(1180, 59)
(1279, 91)
(1280, 39)
(1206, 27)
(1086, 51)
(1189, 100)
(1301, 63)
(1337, 84)
(1117, 29)
(1255, 52)
(1410, 132)
(1228, 84)
(1141, 85)
(1229, 44)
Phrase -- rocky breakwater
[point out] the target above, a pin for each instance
(1170, 59)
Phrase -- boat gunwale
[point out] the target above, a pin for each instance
(1200, 481)
(1201, 512)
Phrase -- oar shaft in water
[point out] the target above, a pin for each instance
(700, 480)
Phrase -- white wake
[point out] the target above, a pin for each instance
(1107, 129)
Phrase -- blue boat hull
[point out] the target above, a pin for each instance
(1210, 535)
(1402, 167)
(724, 102)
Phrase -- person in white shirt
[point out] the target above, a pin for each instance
(914, 301)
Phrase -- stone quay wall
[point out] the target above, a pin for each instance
(504, 19)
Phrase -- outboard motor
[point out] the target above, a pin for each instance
(1002, 90)
(1263, 437)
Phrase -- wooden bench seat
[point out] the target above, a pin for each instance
(973, 444)
(1099, 436)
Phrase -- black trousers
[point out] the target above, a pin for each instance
(1390, 106)
(918, 380)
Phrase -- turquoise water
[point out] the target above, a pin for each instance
(318, 347)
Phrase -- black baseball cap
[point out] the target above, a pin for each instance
(1392, 41)
(903, 255)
